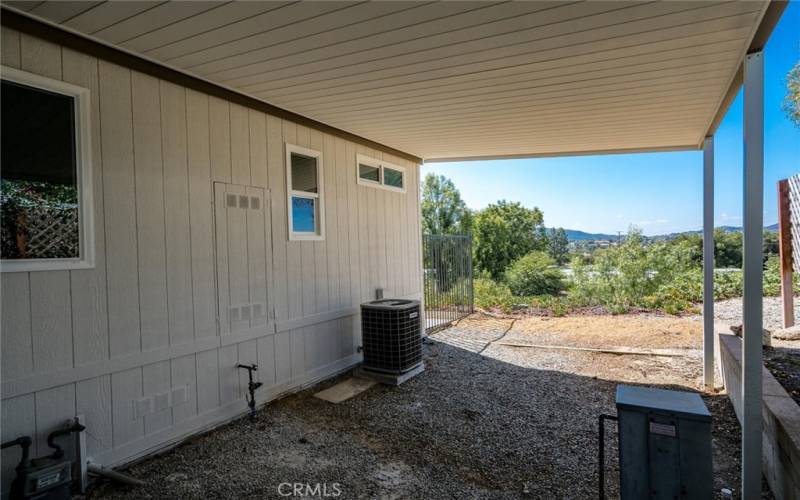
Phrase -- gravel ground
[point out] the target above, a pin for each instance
(482, 421)
(730, 311)
(783, 358)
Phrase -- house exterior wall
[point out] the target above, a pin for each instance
(103, 342)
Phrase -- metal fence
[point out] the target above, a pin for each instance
(447, 264)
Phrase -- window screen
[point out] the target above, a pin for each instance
(369, 173)
(392, 177)
(304, 173)
(38, 173)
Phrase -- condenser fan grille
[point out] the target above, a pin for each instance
(391, 335)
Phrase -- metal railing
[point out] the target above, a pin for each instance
(447, 265)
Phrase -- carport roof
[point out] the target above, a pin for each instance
(455, 79)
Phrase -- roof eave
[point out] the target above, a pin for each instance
(25, 23)
(593, 152)
(772, 15)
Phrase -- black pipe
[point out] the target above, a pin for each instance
(601, 454)
(76, 427)
(23, 442)
(251, 388)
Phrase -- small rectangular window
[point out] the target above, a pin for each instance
(392, 177)
(305, 193)
(45, 178)
(381, 174)
(369, 173)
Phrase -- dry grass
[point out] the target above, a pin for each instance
(633, 330)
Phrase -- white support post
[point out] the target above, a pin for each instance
(752, 263)
(708, 262)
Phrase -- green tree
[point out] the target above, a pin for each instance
(690, 244)
(443, 210)
(504, 232)
(727, 248)
(534, 274)
(558, 245)
(770, 245)
(791, 103)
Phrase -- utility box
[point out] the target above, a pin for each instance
(664, 444)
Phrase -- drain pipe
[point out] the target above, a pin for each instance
(601, 454)
(114, 475)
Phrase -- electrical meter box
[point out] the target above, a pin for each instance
(664, 444)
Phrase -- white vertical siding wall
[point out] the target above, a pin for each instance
(144, 320)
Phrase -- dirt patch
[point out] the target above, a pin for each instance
(630, 330)
(783, 361)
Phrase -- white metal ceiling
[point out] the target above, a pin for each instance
(454, 79)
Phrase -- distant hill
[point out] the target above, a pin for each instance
(575, 235)
(728, 229)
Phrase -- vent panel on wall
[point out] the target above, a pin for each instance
(242, 230)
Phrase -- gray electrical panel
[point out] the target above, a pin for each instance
(664, 444)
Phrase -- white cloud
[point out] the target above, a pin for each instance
(729, 218)
(651, 222)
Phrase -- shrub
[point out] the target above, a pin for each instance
(727, 283)
(634, 275)
(492, 295)
(557, 305)
(772, 277)
(443, 296)
(488, 295)
(534, 274)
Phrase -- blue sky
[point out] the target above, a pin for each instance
(659, 192)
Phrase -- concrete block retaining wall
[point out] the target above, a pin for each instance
(781, 421)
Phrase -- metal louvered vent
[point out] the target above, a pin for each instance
(391, 335)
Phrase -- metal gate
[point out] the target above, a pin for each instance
(447, 268)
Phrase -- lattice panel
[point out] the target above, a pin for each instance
(51, 232)
(40, 232)
(794, 217)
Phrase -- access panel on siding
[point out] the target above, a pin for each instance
(243, 245)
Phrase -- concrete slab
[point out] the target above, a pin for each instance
(390, 379)
(345, 390)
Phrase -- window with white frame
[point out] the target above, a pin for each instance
(45, 174)
(305, 193)
(378, 173)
